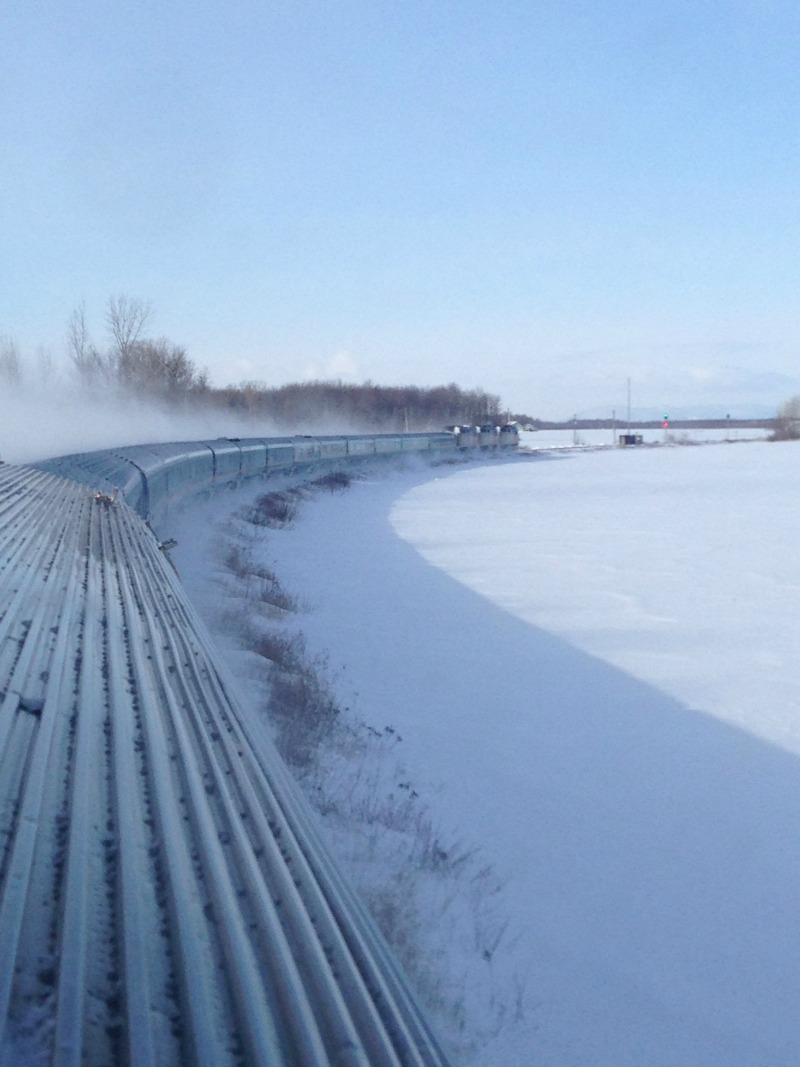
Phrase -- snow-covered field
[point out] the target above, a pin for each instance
(563, 439)
(592, 659)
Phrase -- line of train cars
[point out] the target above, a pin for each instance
(486, 436)
(149, 477)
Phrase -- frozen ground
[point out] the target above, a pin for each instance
(592, 659)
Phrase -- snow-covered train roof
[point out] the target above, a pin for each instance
(164, 898)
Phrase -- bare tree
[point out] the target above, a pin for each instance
(85, 358)
(126, 317)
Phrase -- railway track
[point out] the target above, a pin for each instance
(164, 896)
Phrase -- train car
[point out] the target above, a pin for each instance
(253, 456)
(509, 435)
(109, 472)
(332, 447)
(227, 460)
(467, 437)
(416, 442)
(172, 472)
(388, 443)
(280, 453)
(442, 441)
(164, 894)
(306, 449)
(487, 435)
(361, 445)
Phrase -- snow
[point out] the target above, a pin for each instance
(606, 438)
(660, 562)
(591, 658)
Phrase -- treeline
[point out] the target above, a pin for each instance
(368, 406)
(134, 364)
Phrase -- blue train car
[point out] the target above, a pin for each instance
(172, 471)
(227, 460)
(361, 445)
(106, 472)
(332, 447)
(388, 443)
(280, 453)
(415, 442)
(252, 456)
(306, 449)
(445, 442)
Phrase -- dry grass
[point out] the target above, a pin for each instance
(334, 481)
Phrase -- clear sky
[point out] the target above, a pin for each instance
(543, 199)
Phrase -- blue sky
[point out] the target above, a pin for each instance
(544, 199)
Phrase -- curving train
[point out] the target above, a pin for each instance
(149, 477)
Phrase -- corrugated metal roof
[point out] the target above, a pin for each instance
(164, 897)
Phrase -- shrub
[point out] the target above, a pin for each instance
(275, 509)
(334, 481)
